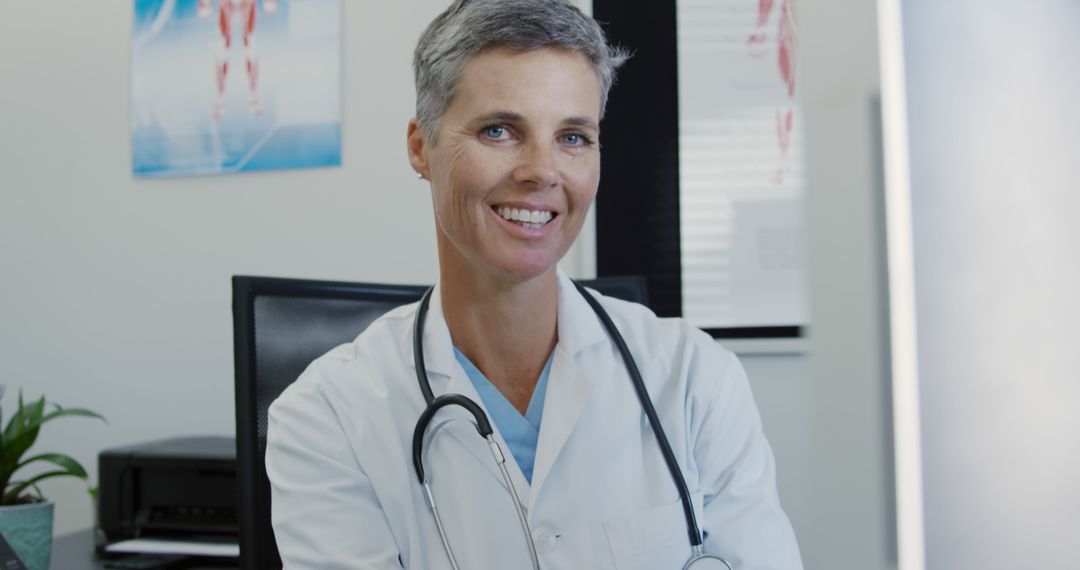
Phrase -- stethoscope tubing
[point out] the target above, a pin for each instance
(418, 347)
(483, 426)
(692, 529)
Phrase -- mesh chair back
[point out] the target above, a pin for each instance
(279, 327)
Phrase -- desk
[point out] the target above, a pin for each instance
(75, 551)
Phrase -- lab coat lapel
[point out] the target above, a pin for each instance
(448, 377)
(569, 387)
(470, 438)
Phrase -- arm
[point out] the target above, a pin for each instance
(743, 519)
(325, 512)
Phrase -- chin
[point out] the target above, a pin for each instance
(525, 269)
(507, 263)
(522, 274)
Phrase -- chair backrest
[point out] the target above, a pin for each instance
(279, 327)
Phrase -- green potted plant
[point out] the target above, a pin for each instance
(26, 517)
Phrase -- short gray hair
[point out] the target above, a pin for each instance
(469, 27)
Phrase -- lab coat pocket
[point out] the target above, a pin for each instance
(653, 539)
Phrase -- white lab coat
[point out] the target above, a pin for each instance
(345, 495)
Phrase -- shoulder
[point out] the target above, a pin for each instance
(676, 358)
(664, 335)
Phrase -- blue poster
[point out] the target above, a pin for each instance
(223, 86)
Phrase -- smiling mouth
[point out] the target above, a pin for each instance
(531, 219)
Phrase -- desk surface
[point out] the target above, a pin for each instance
(75, 551)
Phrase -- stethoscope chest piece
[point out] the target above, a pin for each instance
(707, 562)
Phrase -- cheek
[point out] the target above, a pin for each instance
(469, 172)
(460, 182)
(585, 182)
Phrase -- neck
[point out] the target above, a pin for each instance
(507, 330)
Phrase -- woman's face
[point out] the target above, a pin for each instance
(515, 164)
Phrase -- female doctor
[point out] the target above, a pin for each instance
(510, 94)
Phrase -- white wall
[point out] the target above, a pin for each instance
(994, 140)
(782, 390)
(851, 493)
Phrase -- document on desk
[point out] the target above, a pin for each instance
(220, 549)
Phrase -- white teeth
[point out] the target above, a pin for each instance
(528, 218)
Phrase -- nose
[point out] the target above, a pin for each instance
(537, 166)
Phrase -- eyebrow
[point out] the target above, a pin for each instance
(502, 117)
(512, 117)
(583, 122)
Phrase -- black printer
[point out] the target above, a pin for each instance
(178, 488)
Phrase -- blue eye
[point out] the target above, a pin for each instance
(495, 132)
(576, 139)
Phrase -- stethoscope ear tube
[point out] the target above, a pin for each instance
(418, 348)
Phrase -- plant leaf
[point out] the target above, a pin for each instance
(19, 436)
(14, 427)
(18, 446)
(59, 412)
(37, 409)
(16, 421)
(63, 461)
(25, 433)
(26, 418)
(16, 488)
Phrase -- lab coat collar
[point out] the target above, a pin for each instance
(569, 387)
(567, 393)
(448, 377)
(578, 326)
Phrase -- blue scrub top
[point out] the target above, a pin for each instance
(520, 432)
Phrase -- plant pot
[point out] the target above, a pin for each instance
(28, 529)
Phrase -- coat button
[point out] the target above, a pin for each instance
(545, 540)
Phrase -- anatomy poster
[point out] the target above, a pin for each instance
(224, 86)
(741, 163)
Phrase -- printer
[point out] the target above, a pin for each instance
(173, 488)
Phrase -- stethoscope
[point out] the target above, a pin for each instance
(699, 560)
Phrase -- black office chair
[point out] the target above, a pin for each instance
(279, 327)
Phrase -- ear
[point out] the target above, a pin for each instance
(418, 148)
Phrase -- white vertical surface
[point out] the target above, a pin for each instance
(995, 135)
(907, 435)
(850, 476)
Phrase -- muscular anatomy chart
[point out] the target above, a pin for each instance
(741, 171)
(227, 12)
(224, 86)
